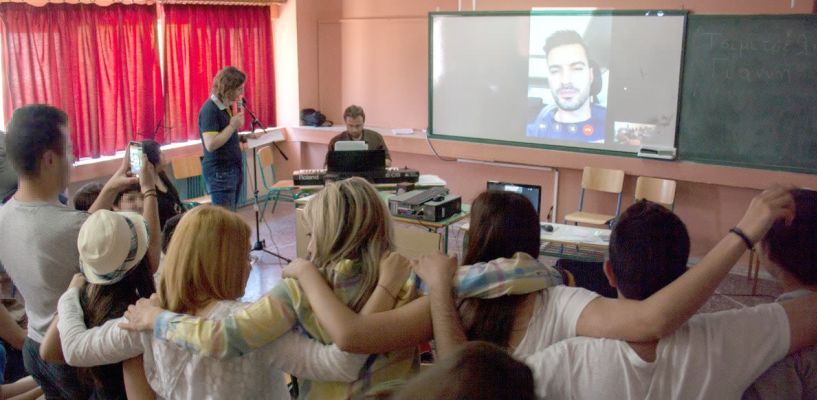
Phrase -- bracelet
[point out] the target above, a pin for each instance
(146, 195)
(742, 236)
(393, 297)
(149, 192)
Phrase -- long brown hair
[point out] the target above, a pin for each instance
(206, 260)
(101, 303)
(502, 224)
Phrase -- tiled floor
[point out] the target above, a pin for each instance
(278, 230)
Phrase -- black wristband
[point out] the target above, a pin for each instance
(742, 236)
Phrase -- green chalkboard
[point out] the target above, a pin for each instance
(749, 92)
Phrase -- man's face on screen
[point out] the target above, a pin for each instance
(569, 76)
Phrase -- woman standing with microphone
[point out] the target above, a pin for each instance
(220, 118)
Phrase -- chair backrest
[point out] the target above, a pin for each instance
(602, 179)
(266, 161)
(186, 167)
(661, 191)
(265, 157)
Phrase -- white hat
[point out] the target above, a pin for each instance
(110, 244)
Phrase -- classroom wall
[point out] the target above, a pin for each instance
(374, 53)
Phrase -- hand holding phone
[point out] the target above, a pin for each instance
(135, 157)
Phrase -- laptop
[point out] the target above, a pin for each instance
(351, 145)
(356, 161)
(532, 192)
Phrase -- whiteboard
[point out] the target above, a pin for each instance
(609, 81)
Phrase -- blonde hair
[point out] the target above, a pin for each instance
(206, 260)
(227, 80)
(348, 220)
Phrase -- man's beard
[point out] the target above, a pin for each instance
(573, 104)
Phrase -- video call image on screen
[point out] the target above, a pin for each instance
(589, 80)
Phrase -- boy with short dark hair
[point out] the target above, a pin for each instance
(790, 255)
(39, 234)
(712, 356)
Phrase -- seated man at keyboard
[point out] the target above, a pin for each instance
(354, 117)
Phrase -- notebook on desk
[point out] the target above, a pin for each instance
(356, 161)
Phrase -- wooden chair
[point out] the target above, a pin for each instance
(188, 168)
(602, 180)
(661, 191)
(283, 189)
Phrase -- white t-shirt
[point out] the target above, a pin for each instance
(712, 356)
(554, 318)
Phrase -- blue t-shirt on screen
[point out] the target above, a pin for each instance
(591, 130)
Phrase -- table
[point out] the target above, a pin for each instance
(432, 226)
(579, 243)
(435, 226)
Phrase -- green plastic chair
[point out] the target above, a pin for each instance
(283, 189)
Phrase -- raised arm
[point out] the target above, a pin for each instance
(150, 212)
(667, 309)
(241, 332)
(121, 178)
(83, 347)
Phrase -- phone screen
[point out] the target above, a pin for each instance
(135, 158)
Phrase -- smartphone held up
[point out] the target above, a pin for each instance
(135, 158)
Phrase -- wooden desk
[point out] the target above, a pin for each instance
(569, 241)
(430, 225)
(435, 226)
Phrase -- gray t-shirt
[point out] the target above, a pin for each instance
(39, 251)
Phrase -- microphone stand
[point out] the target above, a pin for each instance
(255, 121)
(259, 244)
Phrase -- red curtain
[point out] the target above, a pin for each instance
(201, 40)
(99, 64)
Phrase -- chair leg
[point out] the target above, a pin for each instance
(275, 203)
(263, 208)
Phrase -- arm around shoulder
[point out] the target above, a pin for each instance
(83, 347)
(309, 359)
